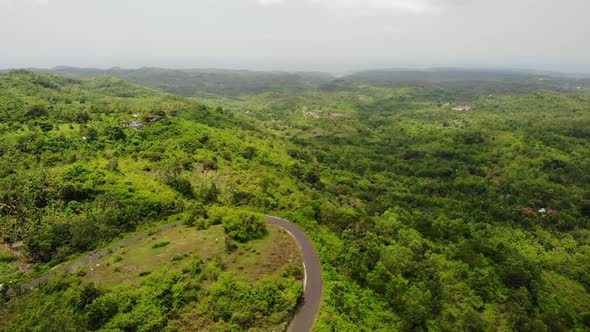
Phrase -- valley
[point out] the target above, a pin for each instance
(460, 202)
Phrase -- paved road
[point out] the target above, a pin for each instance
(313, 281)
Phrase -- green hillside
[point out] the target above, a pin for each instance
(203, 82)
(474, 82)
(431, 208)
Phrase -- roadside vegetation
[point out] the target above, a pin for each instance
(170, 280)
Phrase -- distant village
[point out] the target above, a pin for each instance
(136, 123)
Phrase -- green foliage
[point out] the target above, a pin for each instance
(114, 133)
(160, 244)
(230, 245)
(418, 210)
(198, 216)
(244, 227)
(212, 194)
(196, 266)
(88, 295)
(206, 82)
(180, 184)
(230, 302)
(36, 110)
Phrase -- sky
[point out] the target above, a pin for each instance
(324, 35)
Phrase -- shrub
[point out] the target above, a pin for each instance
(198, 217)
(36, 110)
(7, 259)
(244, 227)
(179, 257)
(114, 133)
(214, 269)
(196, 265)
(180, 184)
(89, 293)
(160, 244)
(230, 245)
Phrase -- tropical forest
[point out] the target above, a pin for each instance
(436, 200)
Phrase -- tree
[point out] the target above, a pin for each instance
(89, 293)
(249, 152)
(417, 310)
(83, 117)
(180, 184)
(211, 194)
(89, 133)
(196, 265)
(115, 133)
(36, 110)
(245, 226)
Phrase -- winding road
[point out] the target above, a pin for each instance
(312, 282)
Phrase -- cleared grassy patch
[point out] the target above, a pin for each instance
(251, 260)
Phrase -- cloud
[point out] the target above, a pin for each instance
(269, 2)
(411, 6)
(373, 6)
(13, 3)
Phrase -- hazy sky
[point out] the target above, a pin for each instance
(331, 35)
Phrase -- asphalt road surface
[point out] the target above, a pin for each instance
(313, 281)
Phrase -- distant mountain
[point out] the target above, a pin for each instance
(435, 75)
(472, 82)
(456, 83)
(200, 82)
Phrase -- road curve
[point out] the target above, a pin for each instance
(313, 281)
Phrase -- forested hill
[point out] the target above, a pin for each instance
(200, 82)
(430, 210)
(86, 162)
(455, 82)
(474, 82)
(445, 75)
(69, 146)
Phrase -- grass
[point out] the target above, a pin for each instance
(9, 264)
(175, 248)
(129, 264)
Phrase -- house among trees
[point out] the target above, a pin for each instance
(136, 125)
(131, 124)
(541, 210)
(151, 117)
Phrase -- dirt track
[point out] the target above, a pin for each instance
(93, 257)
